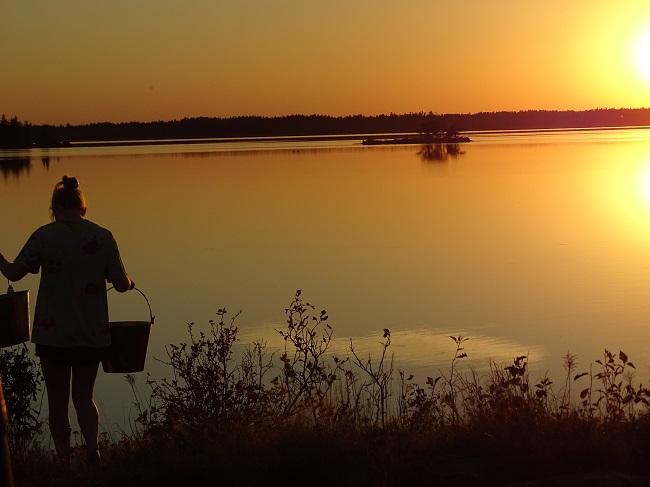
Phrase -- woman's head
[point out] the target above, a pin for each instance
(67, 198)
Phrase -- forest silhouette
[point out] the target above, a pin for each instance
(22, 134)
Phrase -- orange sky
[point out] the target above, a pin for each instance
(81, 61)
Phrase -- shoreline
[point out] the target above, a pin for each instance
(333, 137)
(373, 139)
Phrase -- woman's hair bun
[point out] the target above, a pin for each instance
(70, 183)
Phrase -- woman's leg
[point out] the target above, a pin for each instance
(83, 383)
(57, 383)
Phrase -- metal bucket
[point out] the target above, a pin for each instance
(129, 341)
(14, 317)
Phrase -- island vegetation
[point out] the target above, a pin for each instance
(432, 131)
(301, 416)
(20, 134)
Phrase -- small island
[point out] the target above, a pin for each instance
(417, 139)
(434, 130)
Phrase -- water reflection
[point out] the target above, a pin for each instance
(428, 152)
(439, 152)
(15, 166)
(421, 349)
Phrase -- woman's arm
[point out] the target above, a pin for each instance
(11, 270)
(123, 283)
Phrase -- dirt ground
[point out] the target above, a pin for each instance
(593, 479)
(463, 471)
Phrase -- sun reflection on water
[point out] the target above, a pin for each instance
(413, 349)
(622, 194)
(645, 185)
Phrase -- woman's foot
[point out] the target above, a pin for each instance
(63, 462)
(94, 459)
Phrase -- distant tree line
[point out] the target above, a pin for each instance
(14, 133)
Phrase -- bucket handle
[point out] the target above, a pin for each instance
(145, 298)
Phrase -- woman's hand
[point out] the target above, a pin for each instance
(11, 270)
(123, 284)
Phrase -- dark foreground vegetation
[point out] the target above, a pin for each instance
(15, 133)
(301, 416)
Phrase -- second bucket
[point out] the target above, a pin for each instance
(129, 341)
(14, 317)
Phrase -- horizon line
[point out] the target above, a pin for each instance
(422, 112)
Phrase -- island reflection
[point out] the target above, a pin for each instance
(439, 152)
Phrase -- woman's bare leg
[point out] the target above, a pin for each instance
(57, 383)
(83, 383)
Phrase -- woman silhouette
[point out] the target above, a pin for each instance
(71, 329)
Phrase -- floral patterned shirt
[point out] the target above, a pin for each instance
(76, 258)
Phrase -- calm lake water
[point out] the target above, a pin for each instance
(526, 243)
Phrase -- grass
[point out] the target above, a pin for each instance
(302, 416)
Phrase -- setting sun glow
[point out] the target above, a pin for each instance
(643, 55)
(127, 61)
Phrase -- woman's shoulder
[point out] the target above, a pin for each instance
(95, 228)
(81, 228)
(48, 227)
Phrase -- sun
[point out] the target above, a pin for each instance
(643, 55)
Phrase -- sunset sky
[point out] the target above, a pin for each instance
(80, 61)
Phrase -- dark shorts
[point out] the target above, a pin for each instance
(72, 356)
